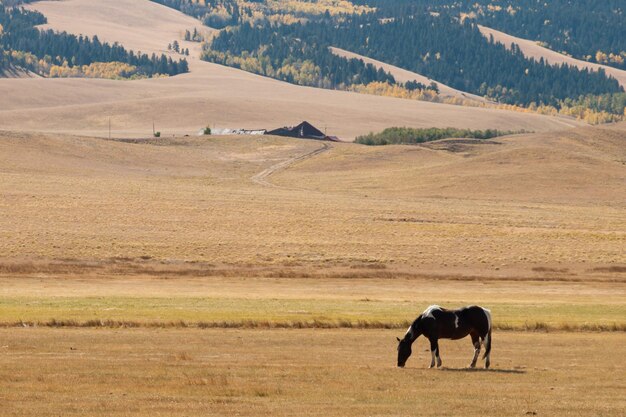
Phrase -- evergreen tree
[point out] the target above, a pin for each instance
(31, 45)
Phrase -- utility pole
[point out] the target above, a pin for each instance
(153, 131)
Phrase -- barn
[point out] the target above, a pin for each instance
(304, 130)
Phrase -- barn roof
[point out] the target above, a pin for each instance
(304, 130)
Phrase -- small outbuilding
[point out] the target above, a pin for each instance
(226, 131)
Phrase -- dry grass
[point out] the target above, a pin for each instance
(189, 206)
(130, 300)
(50, 372)
(131, 252)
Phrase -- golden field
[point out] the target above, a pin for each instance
(523, 206)
(269, 232)
(259, 275)
(122, 372)
(172, 276)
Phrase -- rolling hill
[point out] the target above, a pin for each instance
(533, 50)
(259, 275)
(502, 206)
(403, 76)
(209, 94)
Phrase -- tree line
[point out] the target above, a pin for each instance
(304, 61)
(586, 29)
(439, 39)
(407, 135)
(22, 44)
(214, 13)
(439, 47)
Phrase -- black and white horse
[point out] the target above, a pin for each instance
(439, 323)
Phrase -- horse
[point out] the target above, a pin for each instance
(439, 323)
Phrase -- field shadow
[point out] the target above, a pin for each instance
(492, 370)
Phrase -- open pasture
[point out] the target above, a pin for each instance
(172, 301)
(270, 276)
(122, 372)
(542, 206)
(244, 232)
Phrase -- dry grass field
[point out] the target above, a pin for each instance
(259, 275)
(502, 208)
(122, 372)
(214, 275)
(187, 232)
(249, 299)
(209, 94)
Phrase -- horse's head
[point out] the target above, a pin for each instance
(404, 351)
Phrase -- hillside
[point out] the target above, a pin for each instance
(442, 46)
(535, 51)
(139, 25)
(149, 268)
(209, 94)
(580, 166)
(404, 76)
(589, 30)
(503, 206)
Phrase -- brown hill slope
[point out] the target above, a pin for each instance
(451, 207)
(210, 94)
(585, 165)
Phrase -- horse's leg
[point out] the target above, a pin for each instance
(476, 343)
(434, 351)
(487, 338)
(438, 357)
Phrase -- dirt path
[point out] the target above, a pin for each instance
(261, 177)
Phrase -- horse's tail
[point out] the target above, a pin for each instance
(488, 337)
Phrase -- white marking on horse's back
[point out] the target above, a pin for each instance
(429, 311)
(456, 321)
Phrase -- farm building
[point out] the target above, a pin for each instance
(225, 131)
(304, 130)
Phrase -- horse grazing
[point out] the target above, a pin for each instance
(439, 323)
